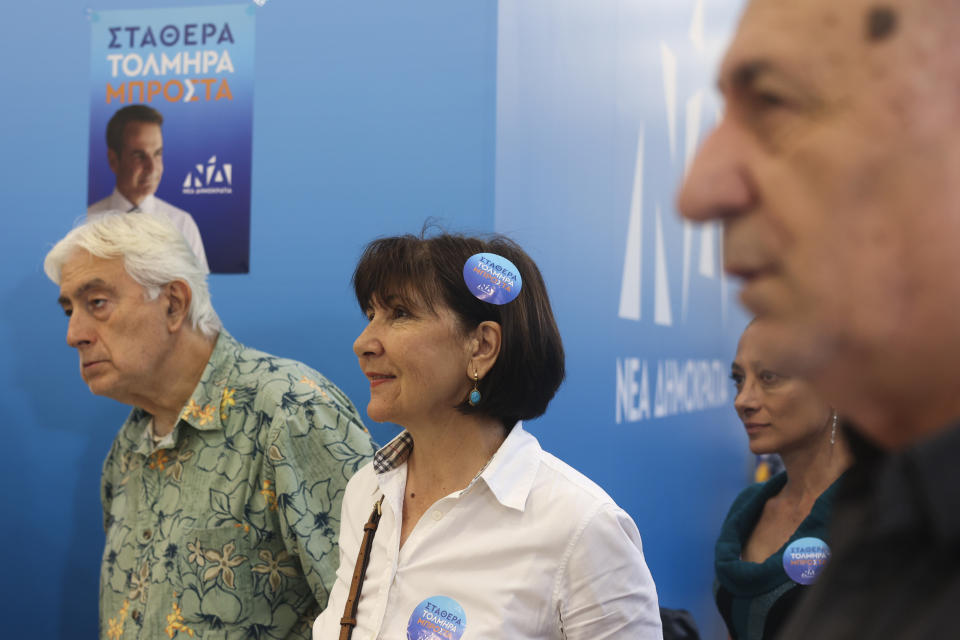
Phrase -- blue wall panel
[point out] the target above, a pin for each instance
(524, 116)
(368, 118)
(583, 91)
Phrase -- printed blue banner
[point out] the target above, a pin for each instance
(194, 67)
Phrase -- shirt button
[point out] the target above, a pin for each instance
(437, 515)
(147, 534)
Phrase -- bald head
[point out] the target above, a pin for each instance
(834, 172)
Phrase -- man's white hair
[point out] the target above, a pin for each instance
(154, 254)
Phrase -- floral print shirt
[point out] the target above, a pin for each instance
(228, 529)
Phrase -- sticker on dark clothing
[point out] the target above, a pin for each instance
(805, 558)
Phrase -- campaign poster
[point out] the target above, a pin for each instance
(194, 67)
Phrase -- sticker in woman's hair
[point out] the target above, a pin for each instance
(805, 558)
(492, 278)
(437, 618)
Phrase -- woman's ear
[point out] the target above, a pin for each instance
(485, 347)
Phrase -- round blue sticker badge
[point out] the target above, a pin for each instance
(437, 618)
(492, 278)
(805, 558)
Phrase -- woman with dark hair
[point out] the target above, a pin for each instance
(472, 530)
(773, 543)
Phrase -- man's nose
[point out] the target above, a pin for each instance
(79, 331)
(718, 184)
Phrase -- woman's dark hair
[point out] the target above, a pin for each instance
(428, 272)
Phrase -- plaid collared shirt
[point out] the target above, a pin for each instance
(394, 453)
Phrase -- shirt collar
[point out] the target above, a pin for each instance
(513, 468)
(211, 399)
(509, 474)
(921, 485)
(393, 454)
(937, 478)
(119, 202)
(207, 407)
(166, 442)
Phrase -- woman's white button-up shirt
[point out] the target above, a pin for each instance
(532, 549)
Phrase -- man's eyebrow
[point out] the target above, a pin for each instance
(96, 283)
(745, 75)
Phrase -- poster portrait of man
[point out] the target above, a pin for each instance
(170, 123)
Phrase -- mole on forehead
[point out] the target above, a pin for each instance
(881, 23)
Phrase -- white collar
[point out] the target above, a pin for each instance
(513, 468)
(509, 474)
(121, 203)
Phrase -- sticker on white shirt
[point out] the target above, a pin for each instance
(805, 558)
(437, 618)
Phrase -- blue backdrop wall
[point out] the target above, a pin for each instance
(566, 124)
(600, 107)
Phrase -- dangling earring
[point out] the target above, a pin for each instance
(833, 429)
(475, 394)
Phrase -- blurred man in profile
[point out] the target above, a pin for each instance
(221, 493)
(135, 155)
(836, 174)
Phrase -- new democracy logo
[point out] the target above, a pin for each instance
(634, 263)
(209, 178)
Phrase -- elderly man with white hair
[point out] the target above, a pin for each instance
(221, 493)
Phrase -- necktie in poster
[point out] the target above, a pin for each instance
(171, 115)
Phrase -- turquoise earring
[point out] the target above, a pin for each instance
(475, 394)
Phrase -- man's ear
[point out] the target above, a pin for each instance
(113, 160)
(178, 304)
(485, 348)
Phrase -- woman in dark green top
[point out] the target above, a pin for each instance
(781, 415)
